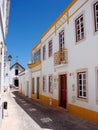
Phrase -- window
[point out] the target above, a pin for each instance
(37, 56)
(44, 52)
(50, 48)
(50, 84)
(44, 83)
(96, 15)
(32, 58)
(61, 39)
(79, 26)
(82, 85)
(16, 72)
(33, 82)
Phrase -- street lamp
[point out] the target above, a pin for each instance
(9, 58)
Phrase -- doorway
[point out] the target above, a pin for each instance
(27, 88)
(16, 82)
(63, 90)
(38, 80)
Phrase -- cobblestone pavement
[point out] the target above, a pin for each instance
(15, 118)
(50, 118)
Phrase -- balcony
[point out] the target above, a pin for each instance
(61, 57)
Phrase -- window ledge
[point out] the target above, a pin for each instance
(83, 99)
(80, 41)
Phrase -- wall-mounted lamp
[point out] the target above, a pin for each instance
(9, 58)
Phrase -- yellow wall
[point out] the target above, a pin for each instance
(72, 109)
(84, 113)
(34, 96)
(34, 65)
(46, 100)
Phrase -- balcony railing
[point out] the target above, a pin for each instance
(61, 57)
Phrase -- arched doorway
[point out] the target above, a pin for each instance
(16, 82)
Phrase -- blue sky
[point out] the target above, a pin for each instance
(27, 23)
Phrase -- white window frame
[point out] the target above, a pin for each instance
(95, 16)
(44, 83)
(44, 52)
(82, 84)
(61, 40)
(50, 84)
(50, 48)
(80, 28)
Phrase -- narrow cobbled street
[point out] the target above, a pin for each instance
(15, 118)
(34, 116)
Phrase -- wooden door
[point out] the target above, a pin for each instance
(63, 91)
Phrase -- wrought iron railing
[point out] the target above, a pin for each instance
(61, 57)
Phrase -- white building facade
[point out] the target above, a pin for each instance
(7, 76)
(35, 68)
(25, 83)
(15, 69)
(69, 66)
(4, 17)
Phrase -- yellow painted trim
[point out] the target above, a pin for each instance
(48, 101)
(34, 65)
(67, 20)
(83, 113)
(50, 36)
(34, 96)
(79, 8)
(66, 10)
(36, 47)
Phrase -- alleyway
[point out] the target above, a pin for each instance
(26, 114)
(15, 118)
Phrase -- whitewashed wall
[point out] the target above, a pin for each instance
(82, 55)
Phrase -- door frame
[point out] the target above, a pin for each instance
(37, 92)
(14, 82)
(59, 88)
(28, 88)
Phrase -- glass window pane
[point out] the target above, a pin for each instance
(84, 94)
(80, 93)
(80, 87)
(96, 6)
(80, 82)
(80, 76)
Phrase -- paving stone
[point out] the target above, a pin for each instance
(49, 118)
(17, 118)
(46, 119)
(32, 109)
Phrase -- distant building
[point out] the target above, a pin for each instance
(25, 82)
(15, 69)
